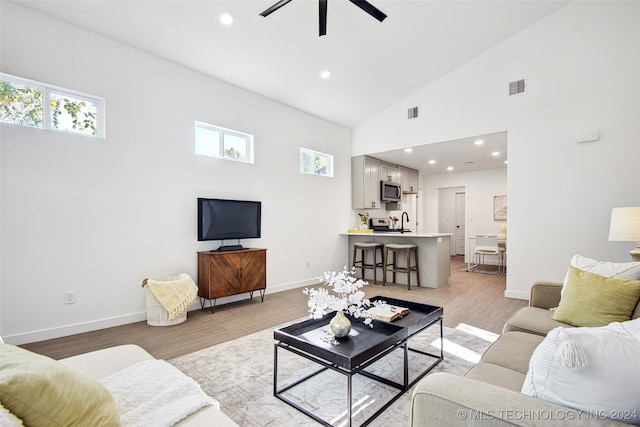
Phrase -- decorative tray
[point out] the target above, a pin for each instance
(314, 337)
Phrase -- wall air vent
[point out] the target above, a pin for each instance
(516, 87)
(412, 113)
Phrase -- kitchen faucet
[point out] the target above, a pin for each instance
(402, 221)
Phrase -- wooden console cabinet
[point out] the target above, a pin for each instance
(222, 274)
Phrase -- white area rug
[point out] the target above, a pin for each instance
(239, 374)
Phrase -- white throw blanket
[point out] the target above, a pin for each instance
(155, 393)
(175, 295)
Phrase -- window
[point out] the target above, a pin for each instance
(316, 163)
(214, 141)
(28, 103)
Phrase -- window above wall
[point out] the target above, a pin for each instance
(316, 163)
(215, 141)
(33, 104)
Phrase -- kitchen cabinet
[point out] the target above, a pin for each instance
(410, 178)
(226, 273)
(365, 183)
(391, 173)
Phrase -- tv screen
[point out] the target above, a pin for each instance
(221, 219)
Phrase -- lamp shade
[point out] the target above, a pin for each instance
(625, 224)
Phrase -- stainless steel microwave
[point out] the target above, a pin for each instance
(390, 191)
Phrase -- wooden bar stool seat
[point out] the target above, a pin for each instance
(362, 263)
(395, 268)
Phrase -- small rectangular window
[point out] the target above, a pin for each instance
(28, 103)
(72, 113)
(316, 163)
(215, 141)
(20, 104)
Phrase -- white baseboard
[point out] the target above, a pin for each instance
(78, 328)
(516, 294)
(292, 285)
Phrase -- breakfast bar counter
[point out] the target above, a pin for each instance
(433, 254)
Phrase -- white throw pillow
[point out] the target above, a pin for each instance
(617, 270)
(589, 369)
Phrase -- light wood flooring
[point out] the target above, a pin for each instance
(473, 298)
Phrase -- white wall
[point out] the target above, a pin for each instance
(98, 216)
(479, 187)
(581, 67)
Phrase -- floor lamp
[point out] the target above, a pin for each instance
(625, 227)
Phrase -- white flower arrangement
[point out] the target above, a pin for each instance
(349, 297)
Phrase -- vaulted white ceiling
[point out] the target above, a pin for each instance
(374, 64)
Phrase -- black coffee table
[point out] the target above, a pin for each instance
(364, 346)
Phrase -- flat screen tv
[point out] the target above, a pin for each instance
(222, 219)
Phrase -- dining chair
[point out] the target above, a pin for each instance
(488, 245)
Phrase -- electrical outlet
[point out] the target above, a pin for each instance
(69, 297)
(308, 264)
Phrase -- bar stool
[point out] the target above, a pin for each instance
(362, 264)
(408, 250)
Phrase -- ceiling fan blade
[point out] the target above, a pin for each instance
(322, 4)
(370, 9)
(274, 7)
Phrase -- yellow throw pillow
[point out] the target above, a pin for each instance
(44, 392)
(593, 300)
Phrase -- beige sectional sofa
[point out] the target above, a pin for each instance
(489, 394)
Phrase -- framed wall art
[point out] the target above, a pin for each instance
(499, 208)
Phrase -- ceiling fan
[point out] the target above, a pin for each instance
(362, 4)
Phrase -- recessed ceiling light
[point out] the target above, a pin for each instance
(325, 74)
(450, 168)
(495, 153)
(226, 18)
(479, 141)
(432, 162)
(408, 150)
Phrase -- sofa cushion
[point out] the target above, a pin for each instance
(593, 300)
(43, 392)
(589, 369)
(532, 320)
(513, 351)
(496, 375)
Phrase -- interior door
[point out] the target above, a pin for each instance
(460, 218)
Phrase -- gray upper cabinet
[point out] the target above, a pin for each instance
(409, 180)
(391, 173)
(365, 183)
